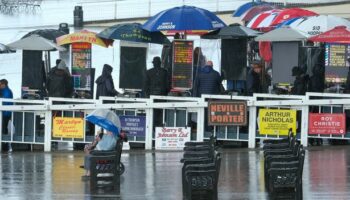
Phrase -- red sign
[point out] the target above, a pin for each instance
(326, 123)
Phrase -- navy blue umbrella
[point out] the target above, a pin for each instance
(133, 32)
(184, 18)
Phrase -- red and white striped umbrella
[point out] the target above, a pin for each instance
(264, 19)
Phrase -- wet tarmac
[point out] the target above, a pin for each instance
(157, 175)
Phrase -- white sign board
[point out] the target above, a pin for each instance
(172, 138)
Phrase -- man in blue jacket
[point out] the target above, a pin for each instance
(208, 81)
(6, 115)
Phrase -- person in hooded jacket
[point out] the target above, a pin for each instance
(157, 81)
(59, 81)
(105, 85)
(254, 83)
(208, 81)
(301, 81)
(316, 82)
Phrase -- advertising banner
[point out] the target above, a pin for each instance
(327, 123)
(227, 113)
(172, 138)
(277, 122)
(182, 64)
(68, 127)
(135, 125)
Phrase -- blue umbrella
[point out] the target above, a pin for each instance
(184, 18)
(133, 32)
(106, 119)
(245, 7)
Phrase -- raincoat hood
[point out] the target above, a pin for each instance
(106, 73)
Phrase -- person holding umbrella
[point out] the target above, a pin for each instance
(107, 141)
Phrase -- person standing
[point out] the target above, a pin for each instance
(208, 81)
(105, 85)
(301, 81)
(157, 80)
(6, 93)
(59, 81)
(254, 78)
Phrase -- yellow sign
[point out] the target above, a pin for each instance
(277, 122)
(68, 127)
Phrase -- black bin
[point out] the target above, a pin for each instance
(64, 27)
(78, 16)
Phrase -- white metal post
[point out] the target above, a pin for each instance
(149, 128)
(200, 124)
(48, 127)
(252, 126)
(304, 125)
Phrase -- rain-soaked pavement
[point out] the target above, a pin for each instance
(157, 175)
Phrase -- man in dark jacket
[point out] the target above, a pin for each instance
(208, 81)
(254, 84)
(6, 115)
(157, 80)
(59, 81)
(316, 82)
(300, 82)
(105, 85)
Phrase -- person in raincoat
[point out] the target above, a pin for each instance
(157, 81)
(59, 81)
(208, 81)
(105, 85)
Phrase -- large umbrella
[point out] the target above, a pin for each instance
(246, 7)
(133, 32)
(250, 14)
(83, 36)
(184, 18)
(106, 119)
(232, 31)
(339, 34)
(318, 24)
(291, 22)
(35, 43)
(283, 34)
(291, 13)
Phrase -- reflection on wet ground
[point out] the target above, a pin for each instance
(157, 175)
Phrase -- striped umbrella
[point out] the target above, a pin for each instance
(264, 19)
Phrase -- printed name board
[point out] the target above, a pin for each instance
(326, 123)
(171, 138)
(227, 113)
(134, 125)
(336, 62)
(68, 127)
(182, 64)
(277, 122)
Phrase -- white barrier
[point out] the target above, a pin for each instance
(33, 118)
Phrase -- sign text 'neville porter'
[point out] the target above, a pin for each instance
(223, 113)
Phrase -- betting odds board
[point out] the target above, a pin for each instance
(182, 66)
(337, 62)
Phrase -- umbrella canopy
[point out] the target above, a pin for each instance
(106, 119)
(83, 36)
(283, 34)
(339, 34)
(245, 7)
(133, 32)
(5, 49)
(50, 34)
(231, 32)
(291, 13)
(289, 22)
(184, 18)
(264, 19)
(319, 24)
(35, 43)
(250, 14)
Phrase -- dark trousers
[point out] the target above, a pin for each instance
(5, 121)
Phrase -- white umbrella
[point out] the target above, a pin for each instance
(35, 43)
(282, 34)
(316, 25)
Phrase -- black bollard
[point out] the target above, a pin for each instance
(78, 16)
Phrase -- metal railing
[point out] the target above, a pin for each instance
(33, 119)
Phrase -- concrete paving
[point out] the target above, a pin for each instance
(157, 175)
